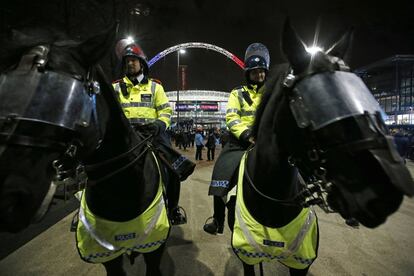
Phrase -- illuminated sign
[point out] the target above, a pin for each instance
(197, 106)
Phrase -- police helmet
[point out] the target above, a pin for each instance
(133, 50)
(256, 56)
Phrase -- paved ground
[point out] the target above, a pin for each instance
(386, 250)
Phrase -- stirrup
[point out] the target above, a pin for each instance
(218, 229)
(178, 216)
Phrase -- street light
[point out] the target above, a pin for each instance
(181, 51)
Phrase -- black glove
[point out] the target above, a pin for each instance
(245, 138)
(156, 128)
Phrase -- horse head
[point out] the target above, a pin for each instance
(47, 118)
(333, 131)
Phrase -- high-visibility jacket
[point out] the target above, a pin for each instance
(294, 245)
(240, 113)
(143, 103)
(100, 240)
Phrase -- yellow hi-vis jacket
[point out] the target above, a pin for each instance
(100, 240)
(240, 115)
(294, 244)
(143, 103)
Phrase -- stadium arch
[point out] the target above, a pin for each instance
(200, 45)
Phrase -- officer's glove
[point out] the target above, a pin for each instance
(246, 138)
(155, 128)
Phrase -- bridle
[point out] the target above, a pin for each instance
(93, 167)
(26, 97)
(314, 183)
(69, 171)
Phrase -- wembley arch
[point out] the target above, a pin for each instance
(199, 45)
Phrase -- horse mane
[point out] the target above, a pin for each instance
(272, 89)
(111, 98)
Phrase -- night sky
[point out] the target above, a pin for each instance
(380, 29)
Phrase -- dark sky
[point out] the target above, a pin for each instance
(381, 29)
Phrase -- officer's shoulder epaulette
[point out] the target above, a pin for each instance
(156, 80)
(237, 88)
(117, 81)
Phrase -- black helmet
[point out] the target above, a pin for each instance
(254, 62)
(257, 56)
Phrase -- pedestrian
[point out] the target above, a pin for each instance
(211, 144)
(199, 144)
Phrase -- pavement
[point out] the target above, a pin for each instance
(343, 250)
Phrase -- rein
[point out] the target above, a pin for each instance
(93, 167)
(314, 192)
(290, 201)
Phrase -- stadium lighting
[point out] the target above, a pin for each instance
(179, 52)
(130, 40)
(313, 50)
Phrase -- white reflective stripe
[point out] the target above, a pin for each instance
(233, 110)
(233, 123)
(153, 87)
(136, 104)
(240, 96)
(244, 229)
(150, 227)
(294, 246)
(165, 115)
(164, 191)
(116, 87)
(141, 121)
(104, 243)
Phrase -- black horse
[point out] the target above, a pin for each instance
(59, 117)
(319, 119)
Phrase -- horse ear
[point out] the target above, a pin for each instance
(96, 47)
(294, 49)
(340, 48)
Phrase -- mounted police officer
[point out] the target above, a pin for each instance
(146, 105)
(240, 115)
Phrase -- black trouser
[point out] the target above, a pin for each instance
(210, 153)
(219, 209)
(198, 155)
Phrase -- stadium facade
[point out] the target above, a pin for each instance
(204, 107)
(391, 81)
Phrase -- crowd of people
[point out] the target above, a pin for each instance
(404, 142)
(200, 138)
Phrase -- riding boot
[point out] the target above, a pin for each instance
(213, 227)
(217, 225)
(178, 216)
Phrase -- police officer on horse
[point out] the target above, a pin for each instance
(240, 115)
(147, 107)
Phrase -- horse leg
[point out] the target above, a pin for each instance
(153, 261)
(114, 267)
(298, 272)
(248, 269)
